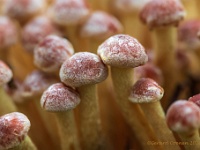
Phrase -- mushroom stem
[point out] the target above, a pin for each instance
(122, 81)
(66, 125)
(72, 35)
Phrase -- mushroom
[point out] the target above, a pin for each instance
(123, 53)
(84, 70)
(183, 118)
(14, 128)
(61, 100)
(161, 17)
(148, 94)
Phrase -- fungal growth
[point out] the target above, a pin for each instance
(5, 73)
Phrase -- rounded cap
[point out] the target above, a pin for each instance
(51, 52)
(122, 51)
(100, 25)
(69, 12)
(146, 90)
(13, 129)
(5, 73)
(8, 32)
(59, 97)
(83, 68)
(195, 99)
(36, 83)
(162, 12)
(35, 31)
(183, 117)
(19, 9)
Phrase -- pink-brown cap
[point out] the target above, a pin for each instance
(195, 99)
(36, 83)
(59, 97)
(183, 117)
(100, 25)
(8, 32)
(51, 52)
(13, 129)
(122, 51)
(19, 9)
(187, 34)
(149, 70)
(5, 73)
(83, 68)
(35, 31)
(162, 12)
(69, 12)
(146, 90)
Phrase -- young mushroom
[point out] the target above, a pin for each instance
(84, 70)
(14, 128)
(183, 118)
(148, 94)
(61, 100)
(123, 53)
(162, 17)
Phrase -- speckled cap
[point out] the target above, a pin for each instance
(146, 90)
(5, 73)
(13, 129)
(83, 68)
(59, 97)
(162, 12)
(122, 51)
(195, 99)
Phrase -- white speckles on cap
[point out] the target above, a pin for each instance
(5, 73)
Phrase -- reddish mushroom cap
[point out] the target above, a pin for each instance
(8, 32)
(146, 90)
(35, 31)
(100, 25)
(13, 129)
(69, 12)
(59, 97)
(183, 117)
(22, 8)
(195, 99)
(162, 12)
(51, 52)
(83, 68)
(5, 73)
(122, 51)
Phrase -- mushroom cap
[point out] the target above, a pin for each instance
(69, 12)
(8, 32)
(146, 90)
(36, 83)
(83, 68)
(35, 31)
(5, 73)
(195, 99)
(59, 97)
(100, 25)
(22, 8)
(13, 129)
(51, 52)
(183, 117)
(162, 12)
(122, 51)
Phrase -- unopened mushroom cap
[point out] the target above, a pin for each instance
(162, 12)
(183, 117)
(5, 73)
(35, 31)
(122, 51)
(195, 99)
(100, 25)
(51, 52)
(59, 97)
(8, 32)
(83, 68)
(69, 12)
(13, 129)
(146, 90)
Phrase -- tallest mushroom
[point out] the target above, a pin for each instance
(162, 17)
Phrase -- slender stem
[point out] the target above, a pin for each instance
(67, 129)
(122, 81)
